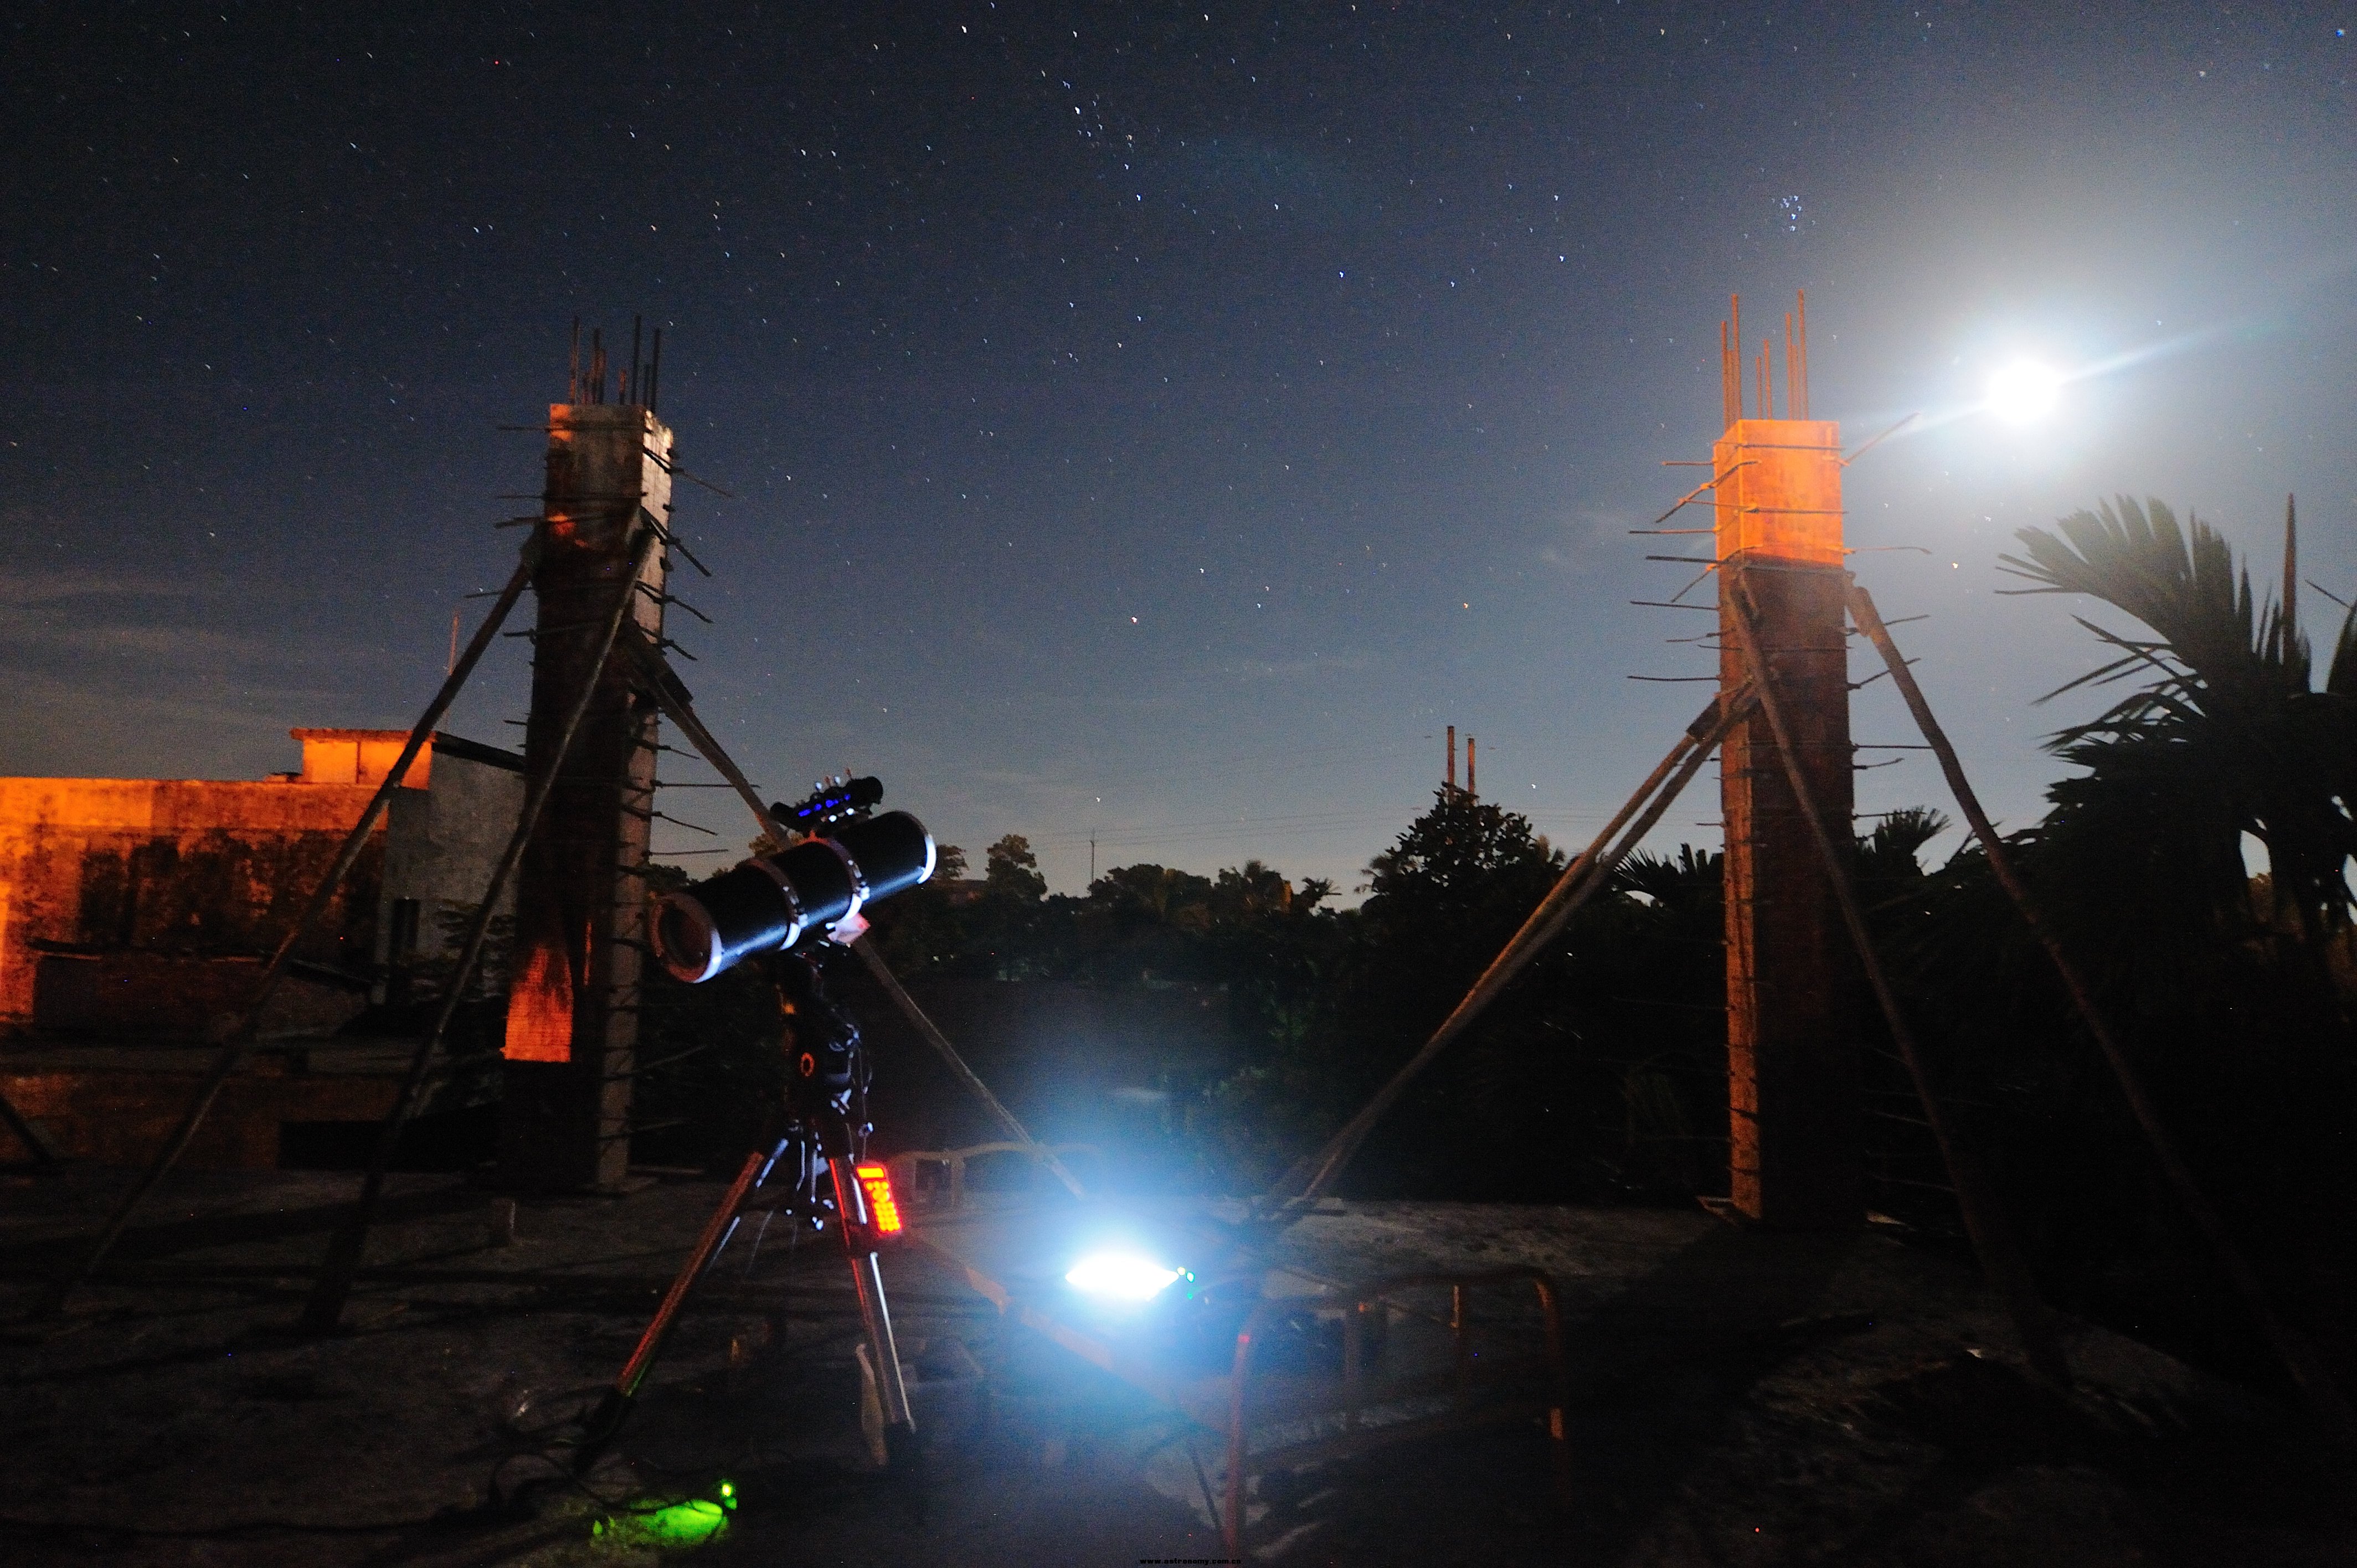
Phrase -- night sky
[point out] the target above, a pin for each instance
(1151, 422)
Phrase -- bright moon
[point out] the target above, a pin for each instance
(2023, 392)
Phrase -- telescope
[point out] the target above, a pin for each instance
(768, 903)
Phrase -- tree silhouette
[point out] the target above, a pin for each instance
(2224, 735)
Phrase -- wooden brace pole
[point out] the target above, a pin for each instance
(1579, 880)
(234, 1045)
(1984, 1222)
(36, 1143)
(334, 1287)
(2298, 1358)
(956, 1064)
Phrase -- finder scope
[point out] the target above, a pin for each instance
(772, 901)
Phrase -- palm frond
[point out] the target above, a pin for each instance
(2146, 655)
(2341, 678)
(1905, 832)
(2183, 582)
(2226, 736)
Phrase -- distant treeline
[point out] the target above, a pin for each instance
(1601, 1074)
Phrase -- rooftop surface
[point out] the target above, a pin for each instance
(1735, 1397)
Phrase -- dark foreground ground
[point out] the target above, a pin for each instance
(1739, 1398)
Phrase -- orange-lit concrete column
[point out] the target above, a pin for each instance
(581, 921)
(1791, 1059)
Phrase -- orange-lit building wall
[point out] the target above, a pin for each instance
(360, 756)
(164, 887)
(144, 908)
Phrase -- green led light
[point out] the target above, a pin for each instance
(682, 1524)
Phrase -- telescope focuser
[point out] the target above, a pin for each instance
(836, 799)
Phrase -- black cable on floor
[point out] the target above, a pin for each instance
(238, 1526)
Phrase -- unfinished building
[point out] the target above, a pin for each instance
(135, 914)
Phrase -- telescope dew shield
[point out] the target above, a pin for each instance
(771, 902)
(889, 854)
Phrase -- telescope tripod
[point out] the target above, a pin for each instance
(826, 1185)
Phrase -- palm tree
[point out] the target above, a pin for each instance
(2223, 736)
(2227, 999)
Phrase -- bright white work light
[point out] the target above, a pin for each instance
(1125, 1276)
(2023, 392)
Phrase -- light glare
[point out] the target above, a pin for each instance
(2024, 391)
(1125, 1275)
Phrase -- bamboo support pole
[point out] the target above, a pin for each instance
(2298, 1358)
(1579, 880)
(673, 697)
(233, 1046)
(1984, 1222)
(956, 1064)
(36, 1144)
(328, 1293)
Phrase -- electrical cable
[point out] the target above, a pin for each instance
(496, 1504)
(444, 1520)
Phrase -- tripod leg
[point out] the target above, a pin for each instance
(605, 1421)
(868, 1279)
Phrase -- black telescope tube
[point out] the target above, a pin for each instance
(772, 901)
(893, 851)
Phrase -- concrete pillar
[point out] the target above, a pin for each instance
(581, 903)
(1791, 1056)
